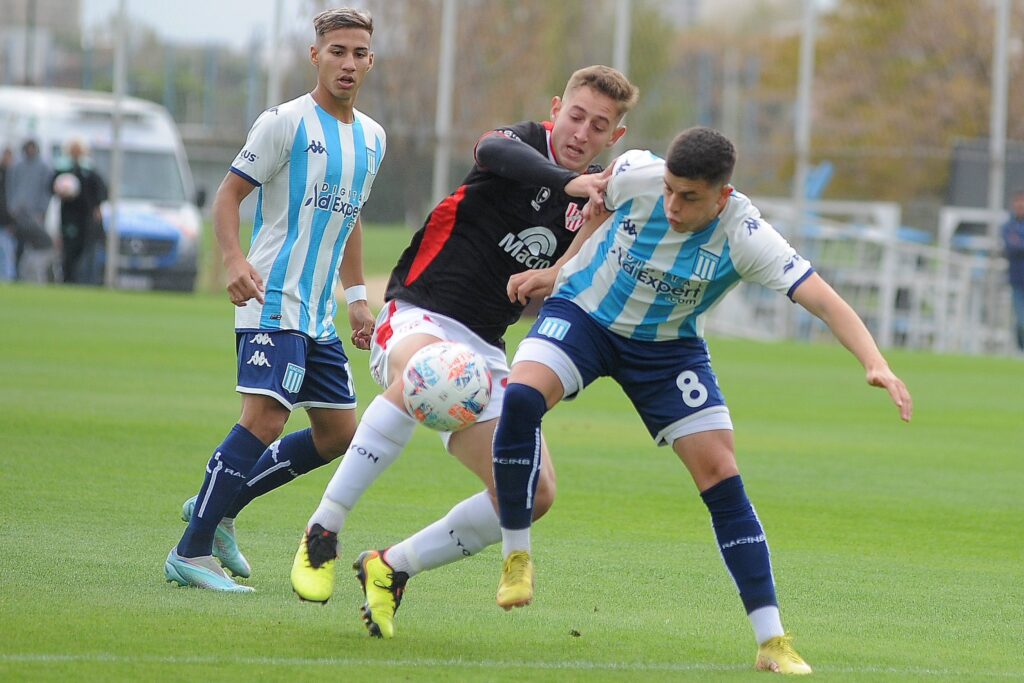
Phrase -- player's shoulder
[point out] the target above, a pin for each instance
(285, 116)
(525, 131)
(740, 214)
(637, 161)
(635, 169)
(292, 109)
(635, 173)
(745, 227)
(370, 124)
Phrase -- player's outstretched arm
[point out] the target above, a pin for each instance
(359, 315)
(539, 283)
(516, 160)
(818, 297)
(244, 282)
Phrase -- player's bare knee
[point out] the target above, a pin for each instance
(715, 473)
(332, 448)
(268, 430)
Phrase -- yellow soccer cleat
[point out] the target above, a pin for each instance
(313, 567)
(383, 588)
(778, 656)
(516, 586)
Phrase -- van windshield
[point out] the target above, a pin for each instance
(153, 176)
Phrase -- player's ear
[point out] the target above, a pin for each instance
(314, 55)
(369, 64)
(619, 132)
(556, 106)
(726, 191)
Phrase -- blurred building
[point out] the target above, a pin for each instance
(33, 34)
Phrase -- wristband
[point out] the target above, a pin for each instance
(355, 293)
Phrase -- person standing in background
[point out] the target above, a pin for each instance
(1013, 242)
(81, 223)
(8, 244)
(29, 184)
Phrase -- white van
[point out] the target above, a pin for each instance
(158, 220)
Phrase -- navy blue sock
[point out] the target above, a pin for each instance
(517, 455)
(742, 542)
(225, 474)
(284, 460)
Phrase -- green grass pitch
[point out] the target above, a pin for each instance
(898, 549)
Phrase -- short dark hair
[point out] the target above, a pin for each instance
(701, 153)
(342, 17)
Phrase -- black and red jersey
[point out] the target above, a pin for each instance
(509, 215)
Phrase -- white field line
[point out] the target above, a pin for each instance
(575, 665)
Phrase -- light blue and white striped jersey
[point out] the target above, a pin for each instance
(641, 279)
(314, 174)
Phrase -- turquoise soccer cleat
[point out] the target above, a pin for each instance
(201, 572)
(225, 546)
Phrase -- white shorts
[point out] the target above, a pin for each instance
(399, 320)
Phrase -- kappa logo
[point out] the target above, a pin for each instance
(751, 224)
(274, 449)
(791, 263)
(533, 247)
(262, 339)
(316, 147)
(259, 359)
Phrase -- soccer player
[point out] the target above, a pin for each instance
(314, 160)
(630, 305)
(516, 210)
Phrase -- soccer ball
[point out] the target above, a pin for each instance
(446, 386)
(67, 186)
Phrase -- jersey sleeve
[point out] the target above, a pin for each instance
(508, 152)
(380, 142)
(762, 255)
(266, 149)
(631, 176)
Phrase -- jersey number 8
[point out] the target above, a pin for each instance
(694, 393)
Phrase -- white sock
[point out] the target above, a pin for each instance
(513, 540)
(767, 623)
(468, 528)
(383, 432)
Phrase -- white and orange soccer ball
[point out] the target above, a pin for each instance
(67, 186)
(446, 386)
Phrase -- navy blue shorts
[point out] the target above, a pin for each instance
(670, 383)
(294, 369)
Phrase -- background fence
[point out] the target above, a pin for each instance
(899, 111)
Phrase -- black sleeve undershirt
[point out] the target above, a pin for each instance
(516, 160)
